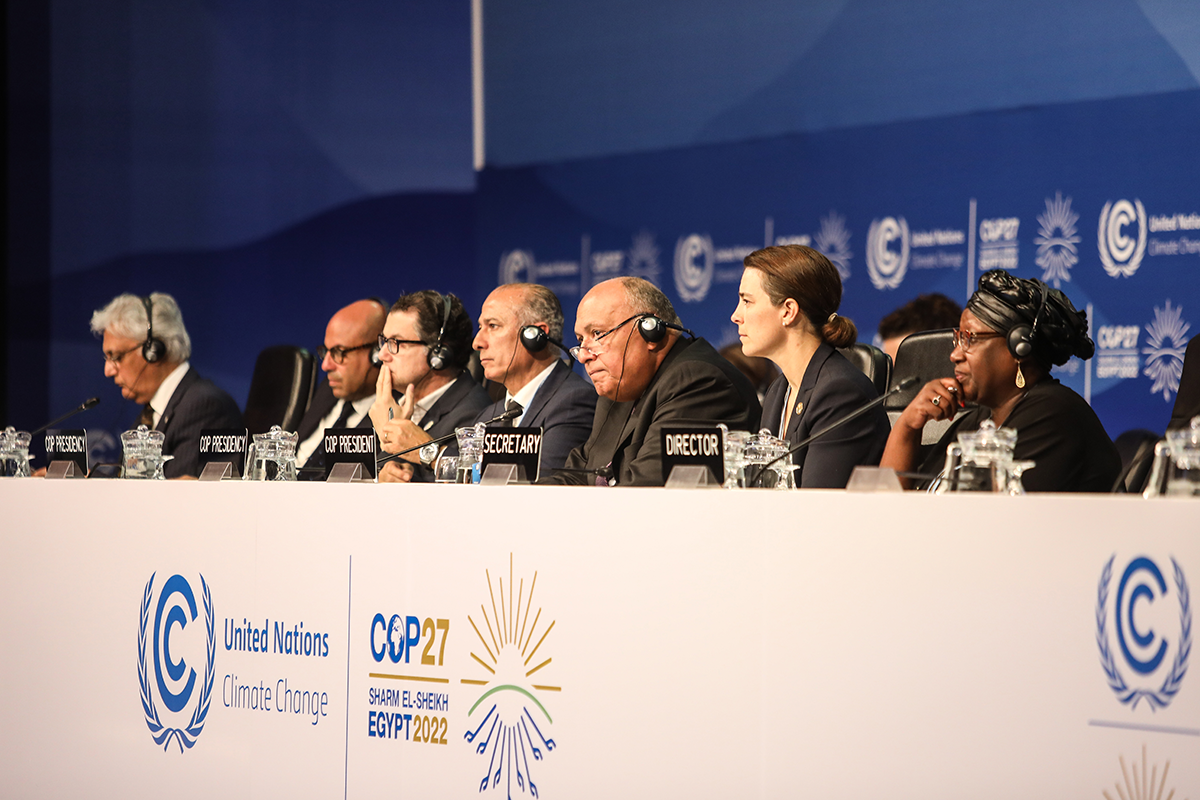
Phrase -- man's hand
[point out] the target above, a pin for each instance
(384, 408)
(393, 472)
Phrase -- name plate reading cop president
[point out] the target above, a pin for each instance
(693, 446)
(224, 446)
(351, 446)
(68, 445)
(520, 446)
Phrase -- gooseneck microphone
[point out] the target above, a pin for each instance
(511, 413)
(853, 415)
(91, 402)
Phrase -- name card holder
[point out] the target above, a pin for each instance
(502, 475)
(691, 476)
(350, 455)
(63, 469)
(217, 471)
(346, 472)
(518, 447)
(692, 447)
(874, 479)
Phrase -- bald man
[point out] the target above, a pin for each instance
(345, 398)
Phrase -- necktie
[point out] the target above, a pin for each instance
(145, 418)
(510, 406)
(317, 459)
(344, 417)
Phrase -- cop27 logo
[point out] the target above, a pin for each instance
(1120, 253)
(1150, 657)
(885, 265)
(694, 266)
(163, 670)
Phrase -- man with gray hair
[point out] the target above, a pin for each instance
(648, 377)
(146, 352)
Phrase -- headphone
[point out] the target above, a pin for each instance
(654, 329)
(440, 355)
(373, 355)
(1020, 338)
(535, 340)
(153, 349)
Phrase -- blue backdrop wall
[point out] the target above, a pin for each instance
(267, 162)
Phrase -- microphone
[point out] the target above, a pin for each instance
(507, 415)
(853, 415)
(91, 402)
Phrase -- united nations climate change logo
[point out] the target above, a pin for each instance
(1120, 253)
(513, 722)
(518, 266)
(885, 265)
(1151, 642)
(164, 671)
(694, 266)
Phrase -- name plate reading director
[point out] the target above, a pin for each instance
(520, 446)
(351, 446)
(224, 445)
(68, 445)
(693, 446)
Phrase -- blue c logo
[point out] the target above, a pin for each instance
(175, 669)
(1125, 614)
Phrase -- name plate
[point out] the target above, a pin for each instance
(520, 446)
(693, 447)
(224, 446)
(351, 446)
(68, 445)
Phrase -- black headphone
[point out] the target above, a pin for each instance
(440, 355)
(153, 349)
(654, 329)
(1020, 338)
(535, 340)
(376, 361)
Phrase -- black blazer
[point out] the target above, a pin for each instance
(458, 407)
(322, 403)
(694, 385)
(564, 407)
(195, 405)
(832, 387)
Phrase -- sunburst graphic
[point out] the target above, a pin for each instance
(513, 722)
(1167, 339)
(1145, 784)
(833, 239)
(1056, 241)
(643, 257)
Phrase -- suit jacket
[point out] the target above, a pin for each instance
(322, 403)
(457, 408)
(1187, 400)
(832, 387)
(694, 385)
(564, 406)
(195, 405)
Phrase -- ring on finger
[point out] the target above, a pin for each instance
(937, 400)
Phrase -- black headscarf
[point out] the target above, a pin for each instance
(1002, 302)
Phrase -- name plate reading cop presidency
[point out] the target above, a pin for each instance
(351, 446)
(68, 445)
(224, 446)
(693, 447)
(520, 446)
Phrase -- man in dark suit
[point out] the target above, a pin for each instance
(425, 346)
(351, 371)
(520, 344)
(146, 352)
(648, 377)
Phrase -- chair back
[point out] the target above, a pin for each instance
(280, 389)
(925, 356)
(1187, 400)
(873, 362)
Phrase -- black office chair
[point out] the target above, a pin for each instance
(873, 362)
(1187, 400)
(1137, 458)
(925, 356)
(280, 389)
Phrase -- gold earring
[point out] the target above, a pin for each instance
(1020, 377)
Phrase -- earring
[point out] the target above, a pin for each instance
(1020, 377)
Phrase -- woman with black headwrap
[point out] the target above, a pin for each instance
(1011, 333)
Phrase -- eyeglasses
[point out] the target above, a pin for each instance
(583, 346)
(393, 345)
(115, 358)
(338, 354)
(963, 339)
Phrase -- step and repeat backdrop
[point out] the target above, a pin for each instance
(250, 640)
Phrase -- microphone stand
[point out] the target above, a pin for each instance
(84, 406)
(853, 415)
(507, 415)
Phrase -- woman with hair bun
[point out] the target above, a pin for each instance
(1012, 332)
(787, 312)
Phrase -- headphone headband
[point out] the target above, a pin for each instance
(440, 356)
(153, 349)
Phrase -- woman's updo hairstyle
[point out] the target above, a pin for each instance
(809, 278)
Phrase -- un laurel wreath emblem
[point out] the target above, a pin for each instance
(1127, 694)
(150, 672)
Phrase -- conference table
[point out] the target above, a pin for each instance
(356, 641)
